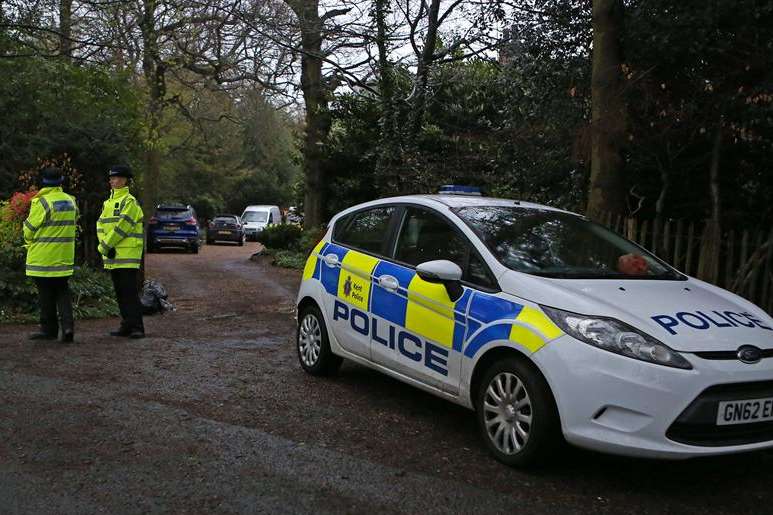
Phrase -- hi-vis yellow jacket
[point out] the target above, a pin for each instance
(120, 227)
(49, 234)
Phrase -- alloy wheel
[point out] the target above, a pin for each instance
(309, 340)
(507, 413)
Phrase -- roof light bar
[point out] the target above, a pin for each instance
(453, 189)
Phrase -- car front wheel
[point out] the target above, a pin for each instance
(517, 416)
(313, 345)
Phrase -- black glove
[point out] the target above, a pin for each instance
(111, 254)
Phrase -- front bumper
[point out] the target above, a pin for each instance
(252, 232)
(624, 406)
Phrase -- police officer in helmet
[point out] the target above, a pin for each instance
(121, 237)
(49, 236)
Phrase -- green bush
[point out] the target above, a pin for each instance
(310, 238)
(281, 237)
(92, 294)
(289, 245)
(290, 259)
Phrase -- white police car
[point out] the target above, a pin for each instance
(545, 323)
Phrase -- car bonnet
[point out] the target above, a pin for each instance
(688, 316)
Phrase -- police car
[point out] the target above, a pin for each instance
(547, 324)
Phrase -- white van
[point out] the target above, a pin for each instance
(257, 218)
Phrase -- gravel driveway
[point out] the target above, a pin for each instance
(212, 414)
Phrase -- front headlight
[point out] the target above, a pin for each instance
(616, 336)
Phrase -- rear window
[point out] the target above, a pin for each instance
(255, 216)
(366, 230)
(174, 213)
(225, 219)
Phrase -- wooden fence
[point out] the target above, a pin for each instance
(738, 260)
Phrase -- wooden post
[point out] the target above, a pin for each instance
(656, 236)
(744, 257)
(766, 274)
(755, 271)
(690, 243)
(631, 224)
(666, 239)
(643, 234)
(708, 264)
(729, 258)
(678, 243)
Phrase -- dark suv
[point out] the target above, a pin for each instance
(226, 228)
(174, 225)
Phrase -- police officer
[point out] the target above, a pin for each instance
(49, 236)
(120, 234)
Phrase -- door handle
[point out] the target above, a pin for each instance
(331, 260)
(389, 283)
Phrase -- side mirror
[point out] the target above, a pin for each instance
(443, 272)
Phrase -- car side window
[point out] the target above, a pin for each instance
(366, 230)
(425, 236)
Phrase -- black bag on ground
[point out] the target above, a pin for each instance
(154, 298)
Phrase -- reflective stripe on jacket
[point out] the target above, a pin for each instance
(49, 234)
(120, 227)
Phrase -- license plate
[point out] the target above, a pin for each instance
(745, 412)
(170, 227)
(224, 232)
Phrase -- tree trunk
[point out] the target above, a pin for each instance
(65, 29)
(389, 138)
(423, 68)
(712, 234)
(316, 96)
(153, 72)
(607, 187)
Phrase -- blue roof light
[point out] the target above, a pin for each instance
(453, 189)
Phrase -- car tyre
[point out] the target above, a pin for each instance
(517, 415)
(210, 242)
(195, 249)
(241, 241)
(313, 345)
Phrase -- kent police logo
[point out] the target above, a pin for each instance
(348, 286)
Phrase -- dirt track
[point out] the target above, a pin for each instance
(211, 413)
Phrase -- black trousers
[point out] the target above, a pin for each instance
(125, 284)
(53, 296)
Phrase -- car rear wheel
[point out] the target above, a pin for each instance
(313, 345)
(517, 416)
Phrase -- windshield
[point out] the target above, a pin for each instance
(255, 216)
(555, 244)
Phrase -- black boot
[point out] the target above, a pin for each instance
(120, 332)
(137, 334)
(68, 337)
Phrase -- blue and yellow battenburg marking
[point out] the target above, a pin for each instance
(424, 308)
